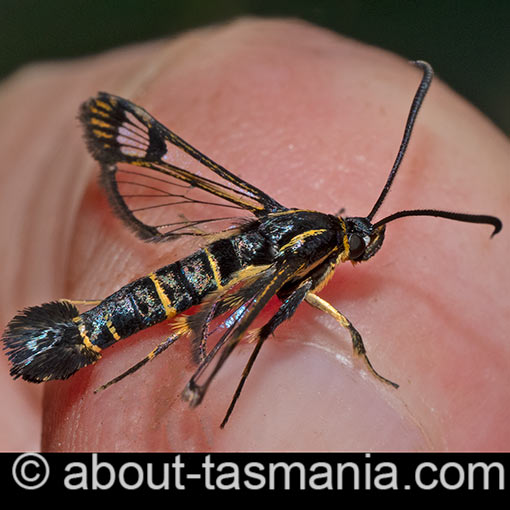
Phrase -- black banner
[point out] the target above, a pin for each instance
(267, 473)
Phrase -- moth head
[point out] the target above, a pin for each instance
(363, 238)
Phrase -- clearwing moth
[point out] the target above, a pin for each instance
(270, 251)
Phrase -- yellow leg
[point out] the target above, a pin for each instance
(86, 302)
(357, 342)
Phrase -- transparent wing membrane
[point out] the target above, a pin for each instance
(161, 186)
(159, 206)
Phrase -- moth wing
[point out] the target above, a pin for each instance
(158, 184)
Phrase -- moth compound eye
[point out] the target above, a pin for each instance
(356, 246)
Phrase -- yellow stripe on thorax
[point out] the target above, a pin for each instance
(300, 237)
(345, 253)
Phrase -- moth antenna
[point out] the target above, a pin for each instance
(468, 218)
(423, 88)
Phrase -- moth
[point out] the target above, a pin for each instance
(244, 262)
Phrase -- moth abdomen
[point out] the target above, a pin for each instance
(44, 342)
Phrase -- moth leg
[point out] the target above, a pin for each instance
(285, 311)
(193, 392)
(357, 342)
(199, 324)
(256, 297)
(201, 348)
(158, 350)
(86, 302)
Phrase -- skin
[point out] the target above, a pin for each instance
(315, 120)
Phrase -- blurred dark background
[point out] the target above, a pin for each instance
(468, 42)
